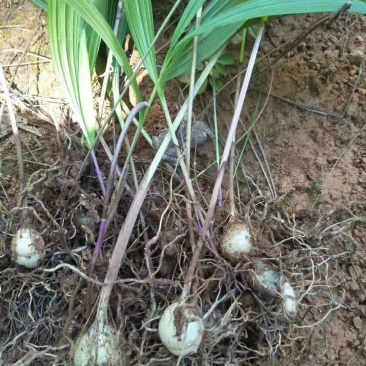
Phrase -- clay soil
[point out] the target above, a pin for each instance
(306, 213)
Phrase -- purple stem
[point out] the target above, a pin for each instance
(118, 148)
(99, 173)
(98, 247)
(219, 201)
(107, 192)
(199, 225)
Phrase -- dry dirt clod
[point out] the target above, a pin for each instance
(357, 322)
(356, 57)
(200, 134)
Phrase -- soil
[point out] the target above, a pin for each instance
(309, 224)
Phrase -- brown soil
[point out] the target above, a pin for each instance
(310, 227)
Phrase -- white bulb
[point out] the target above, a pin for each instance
(101, 345)
(236, 242)
(289, 300)
(27, 248)
(181, 329)
(264, 279)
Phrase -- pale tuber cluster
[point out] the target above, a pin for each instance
(236, 245)
(100, 345)
(236, 242)
(27, 247)
(181, 329)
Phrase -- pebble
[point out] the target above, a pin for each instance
(200, 134)
(356, 57)
(357, 322)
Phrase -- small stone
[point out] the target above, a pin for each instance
(353, 273)
(362, 309)
(353, 109)
(359, 39)
(356, 57)
(361, 296)
(353, 72)
(301, 46)
(357, 322)
(200, 134)
(361, 91)
(330, 56)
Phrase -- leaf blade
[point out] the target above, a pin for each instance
(224, 17)
(141, 23)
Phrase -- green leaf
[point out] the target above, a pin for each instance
(215, 73)
(93, 17)
(221, 68)
(203, 87)
(93, 39)
(141, 23)
(185, 78)
(175, 49)
(108, 8)
(185, 20)
(223, 18)
(226, 59)
(219, 84)
(179, 58)
(41, 4)
(262, 8)
(68, 43)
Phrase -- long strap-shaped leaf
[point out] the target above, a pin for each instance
(93, 39)
(140, 19)
(224, 17)
(107, 8)
(69, 51)
(261, 8)
(92, 16)
(41, 4)
(71, 47)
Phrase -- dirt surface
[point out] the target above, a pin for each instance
(324, 74)
(309, 223)
(317, 159)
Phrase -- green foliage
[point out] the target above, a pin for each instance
(140, 19)
(41, 4)
(217, 73)
(317, 188)
(76, 27)
(71, 57)
(75, 45)
(220, 70)
(223, 18)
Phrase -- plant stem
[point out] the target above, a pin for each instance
(126, 87)
(233, 127)
(99, 173)
(17, 139)
(110, 183)
(189, 129)
(190, 96)
(108, 67)
(126, 230)
(225, 156)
